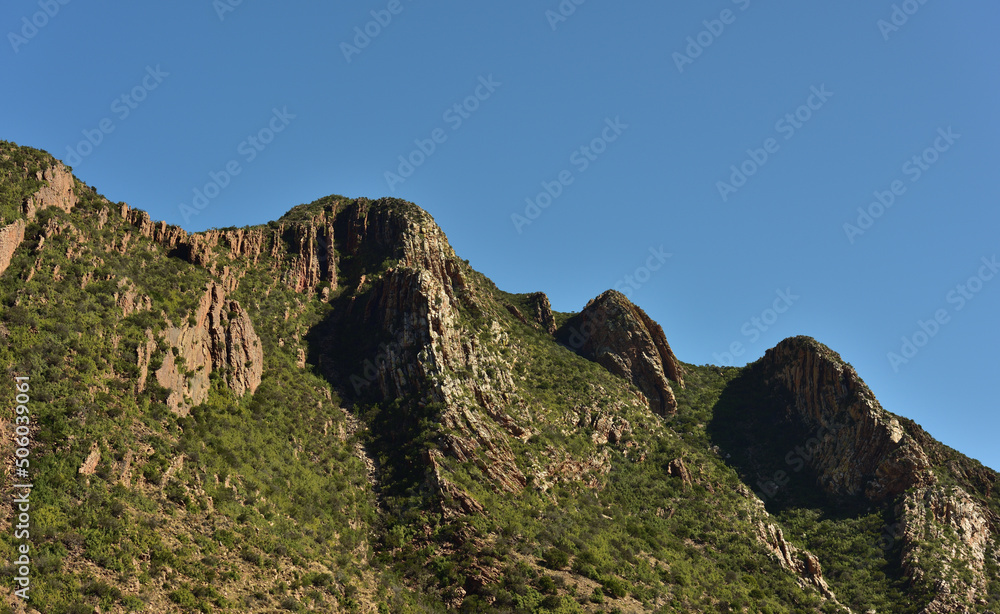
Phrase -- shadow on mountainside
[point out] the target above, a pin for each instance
(770, 451)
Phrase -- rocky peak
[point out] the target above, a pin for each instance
(866, 451)
(870, 453)
(614, 332)
(542, 311)
(422, 300)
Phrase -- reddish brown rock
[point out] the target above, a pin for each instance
(60, 191)
(11, 237)
(623, 339)
(866, 450)
(246, 243)
(144, 353)
(542, 311)
(607, 425)
(89, 466)
(676, 468)
(417, 303)
(221, 338)
(314, 259)
(802, 563)
(935, 514)
(129, 300)
(453, 500)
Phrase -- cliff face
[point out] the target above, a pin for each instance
(804, 564)
(867, 452)
(11, 237)
(624, 340)
(412, 419)
(59, 191)
(220, 338)
(542, 312)
(946, 530)
(419, 302)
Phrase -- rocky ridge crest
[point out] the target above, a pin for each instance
(617, 334)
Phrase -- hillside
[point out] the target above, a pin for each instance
(333, 412)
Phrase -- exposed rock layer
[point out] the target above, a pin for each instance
(222, 338)
(867, 452)
(59, 192)
(11, 237)
(542, 311)
(621, 337)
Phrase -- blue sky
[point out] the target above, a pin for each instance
(704, 158)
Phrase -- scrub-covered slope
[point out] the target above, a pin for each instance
(333, 412)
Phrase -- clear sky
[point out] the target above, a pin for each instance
(702, 157)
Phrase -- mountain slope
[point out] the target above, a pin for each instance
(333, 412)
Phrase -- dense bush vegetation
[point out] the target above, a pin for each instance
(313, 495)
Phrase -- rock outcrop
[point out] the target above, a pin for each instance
(951, 520)
(542, 311)
(677, 469)
(60, 191)
(418, 302)
(454, 501)
(607, 425)
(620, 336)
(802, 563)
(315, 258)
(89, 466)
(129, 300)
(222, 338)
(867, 452)
(11, 236)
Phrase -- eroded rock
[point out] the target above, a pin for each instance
(59, 192)
(867, 452)
(620, 337)
(222, 338)
(11, 236)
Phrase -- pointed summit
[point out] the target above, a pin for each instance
(616, 333)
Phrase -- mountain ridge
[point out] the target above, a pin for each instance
(459, 426)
